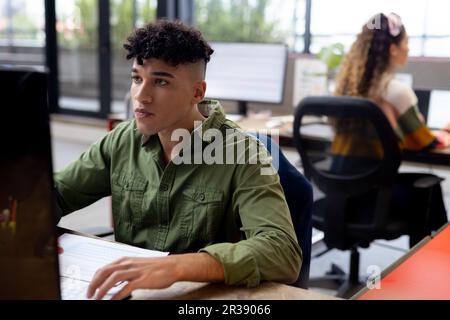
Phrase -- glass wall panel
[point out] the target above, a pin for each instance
(77, 28)
(426, 23)
(125, 16)
(263, 21)
(22, 32)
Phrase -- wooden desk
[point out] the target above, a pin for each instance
(423, 273)
(284, 125)
(204, 291)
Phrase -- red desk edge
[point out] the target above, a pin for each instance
(423, 273)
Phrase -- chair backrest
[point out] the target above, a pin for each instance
(332, 122)
(299, 197)
(348, 150)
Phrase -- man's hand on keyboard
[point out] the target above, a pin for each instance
(154, 273)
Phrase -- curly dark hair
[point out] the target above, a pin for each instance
(171, 41)
(368, 59)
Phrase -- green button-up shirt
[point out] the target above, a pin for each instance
(231, 211)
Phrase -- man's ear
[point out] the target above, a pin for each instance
(200, 91)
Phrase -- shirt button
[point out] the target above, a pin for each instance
(202, 197)
(163, 188)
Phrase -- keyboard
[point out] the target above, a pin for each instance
(74, 289)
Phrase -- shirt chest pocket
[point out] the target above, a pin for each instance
(202, 214)
(127, 198)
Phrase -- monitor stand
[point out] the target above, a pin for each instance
(242, 108)
(241, 112)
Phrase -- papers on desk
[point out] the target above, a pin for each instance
(278, 121)
(83, 256)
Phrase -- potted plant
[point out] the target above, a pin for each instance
(332, 56)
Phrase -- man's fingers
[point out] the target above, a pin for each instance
(100, 276)
(112, 280)
(123, 260)
(103, 273)
(125, 292)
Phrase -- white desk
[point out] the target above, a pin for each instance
(205, 291)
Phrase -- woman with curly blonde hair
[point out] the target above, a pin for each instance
(368, 71)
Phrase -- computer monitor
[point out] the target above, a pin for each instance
(435, 107)
(439, 109)
(28, 258)
(247, 72)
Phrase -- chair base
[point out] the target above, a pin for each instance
(336, 279)
(348, 290)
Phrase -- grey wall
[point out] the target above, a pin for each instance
(429, 73)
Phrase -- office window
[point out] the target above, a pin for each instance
(128, 14)
(263, 21)
(77, 25)
(426, 22)
(125, 16)
(22, 35)
(299, 25)
(437, 29)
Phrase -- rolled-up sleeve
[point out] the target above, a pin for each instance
(270, 251)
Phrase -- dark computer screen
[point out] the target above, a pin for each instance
(423, 97)
(28, 264)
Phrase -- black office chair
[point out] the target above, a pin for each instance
(299, 197)
(356, 178)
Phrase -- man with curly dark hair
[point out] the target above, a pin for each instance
(220, 222)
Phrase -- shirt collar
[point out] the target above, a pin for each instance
(214, 114)
(212, 110)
